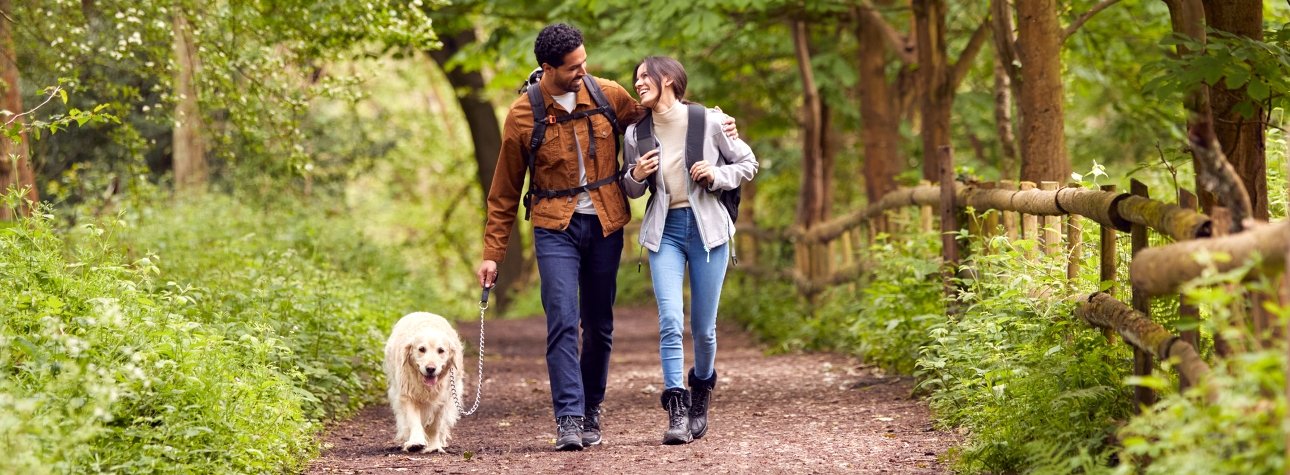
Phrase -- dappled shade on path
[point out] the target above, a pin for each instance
(813, 413)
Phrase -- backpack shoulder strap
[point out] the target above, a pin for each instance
(539, 119)
(695, 126)
(538, 104)
(598, 97)
(645, 133)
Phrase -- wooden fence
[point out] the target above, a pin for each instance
(1153, 271)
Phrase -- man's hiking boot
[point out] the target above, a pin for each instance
(591, 426)
(677, 403)
(569, 429)
(700, 396)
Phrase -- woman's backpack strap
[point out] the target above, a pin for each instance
(695, 126)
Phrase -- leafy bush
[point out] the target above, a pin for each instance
(1036, 388)
(1241, 431)
(215, 351)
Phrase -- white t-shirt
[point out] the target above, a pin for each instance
(569, 101)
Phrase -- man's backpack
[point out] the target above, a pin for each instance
(693, 151)
(540, 122)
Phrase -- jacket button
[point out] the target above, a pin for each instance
(569, 200)
(570, 148)
(570, 174)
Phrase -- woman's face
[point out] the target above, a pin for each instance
(648, 87)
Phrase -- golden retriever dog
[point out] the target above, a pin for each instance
(421, 350)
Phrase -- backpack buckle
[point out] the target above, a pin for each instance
(550, 120)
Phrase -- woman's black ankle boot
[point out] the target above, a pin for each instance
(700, 397)
(677, 403)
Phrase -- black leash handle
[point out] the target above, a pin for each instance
(483, 297)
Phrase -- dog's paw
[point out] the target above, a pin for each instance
(413, 447)
(438, 449)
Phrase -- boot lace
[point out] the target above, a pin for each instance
(699, 402)
(569, 425)
(676, 413)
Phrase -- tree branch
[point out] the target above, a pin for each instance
(1005, 42)
(960, 68)
(904, 45)
(1075, 25)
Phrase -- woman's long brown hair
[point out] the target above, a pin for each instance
(660, 67)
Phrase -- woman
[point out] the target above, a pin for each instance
(685, 223)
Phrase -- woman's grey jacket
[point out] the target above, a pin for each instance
(715, 226)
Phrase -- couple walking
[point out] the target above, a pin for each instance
(565, 134)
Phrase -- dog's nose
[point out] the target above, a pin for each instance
(430, 369)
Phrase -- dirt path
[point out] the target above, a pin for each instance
(816, 413)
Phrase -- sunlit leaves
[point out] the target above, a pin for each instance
(1261, 67)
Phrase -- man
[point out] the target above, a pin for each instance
(578, 212)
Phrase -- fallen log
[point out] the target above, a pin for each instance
(1163, 270)
(1104, 311)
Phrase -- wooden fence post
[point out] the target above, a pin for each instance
(1142, 364)
(925, 212)
(949, 222)
(1052, 235)
(1185, 310)
(1106, 271)
(1029, 222)
(1009, 217)
(990, 225)
(1074, 246)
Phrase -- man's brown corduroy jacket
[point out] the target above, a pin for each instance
(556, 166)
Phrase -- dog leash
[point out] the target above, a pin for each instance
(452, 372)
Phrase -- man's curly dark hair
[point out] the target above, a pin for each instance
(554, 42)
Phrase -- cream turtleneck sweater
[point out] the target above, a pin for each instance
(670, 127)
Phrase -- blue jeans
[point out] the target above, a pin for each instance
(579, 270)
(681, 245)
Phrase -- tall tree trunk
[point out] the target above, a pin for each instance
(1005, 87)
(880, 118)
(938, 94)
(188, 149)
(1243, 139)
(486, 135)
(15, 165)
(812, 205)
(1187, 17)
(1039, 47)
(1003, 121)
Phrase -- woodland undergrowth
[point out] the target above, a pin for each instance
(185, 337)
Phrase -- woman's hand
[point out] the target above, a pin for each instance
(702, 173)
(646, 166)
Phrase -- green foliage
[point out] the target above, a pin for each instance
(1036, 388)
(1260, 67)
(204, 338)
(1243, 430)
(894, 311)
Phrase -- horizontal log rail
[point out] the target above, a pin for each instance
(808, 286)
(1164, 269)
(1117, 210)
(1103, 311)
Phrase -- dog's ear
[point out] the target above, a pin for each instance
(454, 345)
(408, 359)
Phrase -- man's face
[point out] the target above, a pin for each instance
(568, 76)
